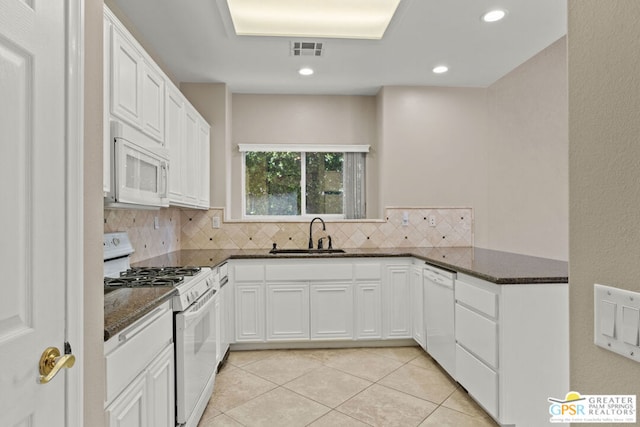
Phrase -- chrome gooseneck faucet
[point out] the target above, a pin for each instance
(311, 230)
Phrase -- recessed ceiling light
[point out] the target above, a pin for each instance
(350, 19)
(305, 71)
(494, 15)
(440, 69)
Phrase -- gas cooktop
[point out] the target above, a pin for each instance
(150, 276)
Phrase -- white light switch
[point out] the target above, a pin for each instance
(616, 323)
(630, 324)
(405, 218)
(608, 318)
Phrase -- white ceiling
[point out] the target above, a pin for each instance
(196, 41)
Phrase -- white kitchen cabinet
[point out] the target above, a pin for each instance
(287, 308)
(368, 300)
(191, 162)
(149, 400)
(153, 98)
(203, 160)
(160, 385)
(249, 312)
(331, 314)
(368, 308)
(106, 127)
(309, 300)
(137, 92)
(187, 139)
(127, 67)
(397, 301)
(136, 85)
(247, 281)
(174, 142)
(321, 300)
(417, 301)
(512, 347)
(140, 372)
(131, 408)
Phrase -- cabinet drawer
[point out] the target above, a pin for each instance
(309, 271)
(138, 346)
(480, 381)
(249, 273)
(482, 300)
(367, 271)
(478, 334)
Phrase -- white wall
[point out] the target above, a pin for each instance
(604, 179)
(298, 119)
(93, 320)
(432, 150)
(528, 157)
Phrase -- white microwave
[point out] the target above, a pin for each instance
(140, 170)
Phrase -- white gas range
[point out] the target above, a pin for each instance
(196, 321)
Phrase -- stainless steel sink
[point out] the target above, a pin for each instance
(305, 251)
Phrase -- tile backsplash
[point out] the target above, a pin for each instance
(147, 240)
(193, 229)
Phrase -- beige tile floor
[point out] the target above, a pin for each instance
(399, 386)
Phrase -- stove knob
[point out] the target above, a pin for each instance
(116, 241)
(188, 298)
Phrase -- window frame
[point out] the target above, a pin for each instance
(302, 149)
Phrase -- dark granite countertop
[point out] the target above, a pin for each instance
(124, 306)
(499, 267)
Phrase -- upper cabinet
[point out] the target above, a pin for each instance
(126, 79)
(138, 93)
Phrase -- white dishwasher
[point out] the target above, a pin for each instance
(439, 316)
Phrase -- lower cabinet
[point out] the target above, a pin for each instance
(417, 310)
(315, 310)
(397, 302)
(149, 399)
(287, 312)
(249, 312)
(331, 311)
(321, 300)
(512, 347)
(368, 303)
(131, 408)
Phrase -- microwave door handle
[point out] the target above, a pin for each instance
(165, 179)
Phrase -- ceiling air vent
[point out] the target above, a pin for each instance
(306, 49)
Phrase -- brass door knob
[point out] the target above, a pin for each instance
(51, 362)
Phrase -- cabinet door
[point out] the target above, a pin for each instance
(160, 379)
(191, 162)
(249, 312)
(106, 129)
(331, 311)
(174, 142)
(152, 103)
(130, 409)
(203, 157)
(368, 311)
(417, 309)
(287, 312)
(397, 302)
(126, 79)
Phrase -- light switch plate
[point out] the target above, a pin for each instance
(617, 320)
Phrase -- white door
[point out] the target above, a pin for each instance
(34, 168)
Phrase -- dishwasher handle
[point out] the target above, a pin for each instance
(438, 279)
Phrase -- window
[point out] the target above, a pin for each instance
(298, 181)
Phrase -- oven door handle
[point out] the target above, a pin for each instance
(196, 310)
